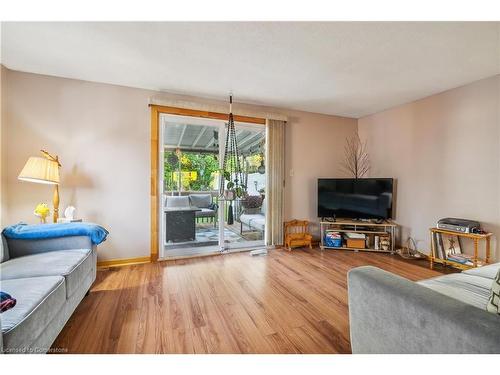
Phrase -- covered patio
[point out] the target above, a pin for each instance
(191, 180)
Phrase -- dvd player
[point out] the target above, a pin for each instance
(459, 225)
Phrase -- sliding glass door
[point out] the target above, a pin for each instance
(189, 183)
(245, 217)
(193, 219)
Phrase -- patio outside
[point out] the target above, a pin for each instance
(191, 179)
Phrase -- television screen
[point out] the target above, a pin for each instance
(362, 198)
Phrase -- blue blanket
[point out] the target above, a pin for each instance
(36, 232)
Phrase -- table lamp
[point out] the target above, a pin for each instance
(44, 170)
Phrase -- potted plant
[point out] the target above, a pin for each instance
(262, 192)
(234, 188)
(231, 182)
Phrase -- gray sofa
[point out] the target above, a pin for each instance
(48, 278)
(446, 314)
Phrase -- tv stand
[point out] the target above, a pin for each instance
(387, 229)
(329, 219)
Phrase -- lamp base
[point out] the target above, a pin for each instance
(55, 200)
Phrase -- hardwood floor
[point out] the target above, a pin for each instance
(286, 302)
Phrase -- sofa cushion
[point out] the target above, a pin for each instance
(252, 201)
(39, 299)
(494, 300)
(21, 248)
(200, 200)
(470, 289)
(177, 202)
(488, 271)
(4, 250)
(252, 211)
(205, 212)
(74, 265)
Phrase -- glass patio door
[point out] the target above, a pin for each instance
(193, 221)
(245, 218)
(189, 180)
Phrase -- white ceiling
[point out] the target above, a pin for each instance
(343, 68)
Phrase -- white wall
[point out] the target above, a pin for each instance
(314, 148)
(444, 152)
(102, 134)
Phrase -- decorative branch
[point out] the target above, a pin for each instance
(356, 160)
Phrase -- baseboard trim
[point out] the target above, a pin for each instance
(123, 262)
(215, 253)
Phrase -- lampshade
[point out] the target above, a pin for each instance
(40, 170)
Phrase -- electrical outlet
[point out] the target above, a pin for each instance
(292, 172)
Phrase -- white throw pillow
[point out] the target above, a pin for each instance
(494, 301)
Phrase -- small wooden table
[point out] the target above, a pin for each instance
(476, 237)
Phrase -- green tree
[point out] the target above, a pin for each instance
(204, 164)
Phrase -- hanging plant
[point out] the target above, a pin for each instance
(231, 185)
(172, 159)
(262, 168)
(234, 187)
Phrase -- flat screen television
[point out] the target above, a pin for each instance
(362, 198)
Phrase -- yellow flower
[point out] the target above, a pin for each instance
(42, 210)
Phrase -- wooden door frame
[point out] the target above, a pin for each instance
(156, 111)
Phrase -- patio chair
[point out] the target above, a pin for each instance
(253, 214)
(208, 208)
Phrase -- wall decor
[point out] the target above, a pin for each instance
(356, 160)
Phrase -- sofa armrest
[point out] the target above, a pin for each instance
(390, 314)
(1, 337)
(18, 248)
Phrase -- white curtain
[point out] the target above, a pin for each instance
(275, 167)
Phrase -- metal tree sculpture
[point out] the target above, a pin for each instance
(356, 160)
